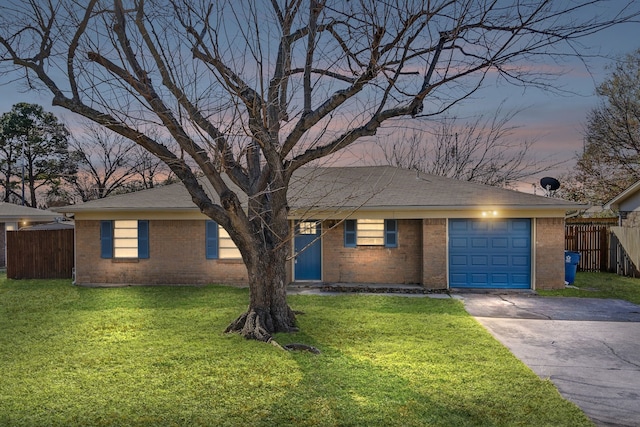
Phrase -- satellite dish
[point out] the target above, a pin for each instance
(549, 184)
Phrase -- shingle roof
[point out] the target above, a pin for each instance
(386, 187)
(367, 187)
(11, 212)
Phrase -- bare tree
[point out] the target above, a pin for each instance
(252, 91)
(108, 163)
(149, 171)
(104, 163)
(484, 150)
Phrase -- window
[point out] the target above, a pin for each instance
(308, 227)
(124, 239)
(371, 232)
(219, 244)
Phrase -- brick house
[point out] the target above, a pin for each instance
(356, 225)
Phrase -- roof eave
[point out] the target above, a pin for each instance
(70, 209)
(566, 207)
(615, 202)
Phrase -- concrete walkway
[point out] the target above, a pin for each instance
(589, 348)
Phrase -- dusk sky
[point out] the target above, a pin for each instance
(555, 121)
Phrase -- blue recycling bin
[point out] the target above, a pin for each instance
(571, 260)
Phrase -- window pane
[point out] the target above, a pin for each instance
(125, 252)
(370, 232)
(130, 233)
(308, 227)
(133, 223)
(229, 253)
(125, 243)
(370, 241)
(228, 249)
(371, 222)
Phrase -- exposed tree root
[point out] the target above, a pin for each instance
(257, 325)
(300, 347)
(252, 326)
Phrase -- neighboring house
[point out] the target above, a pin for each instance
(627, 204)
(356, 225)
(14, 217)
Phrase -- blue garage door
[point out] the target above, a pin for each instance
(490, 254)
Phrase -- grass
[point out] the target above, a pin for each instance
(601, 285)
(142, 356)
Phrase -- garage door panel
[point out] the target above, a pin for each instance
(523, 225)
(500, 278)
(500, 260)
(500, 226)
(479, 260)
(490, 253)
(458, 280)
(499, 243)
(459, 260)
(478, 226)
(520, 261)
(479, 243)
(479, 279)
(459, 226)
(520, 243)
(458, 242)
(520, 281)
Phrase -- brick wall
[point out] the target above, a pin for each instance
(374, 264)
(549, 252)
(434, 257)
(177, 256)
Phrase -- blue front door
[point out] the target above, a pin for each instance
(308, 251)
(493, 253)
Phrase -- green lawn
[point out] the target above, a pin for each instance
(157, 356)
(601, 285)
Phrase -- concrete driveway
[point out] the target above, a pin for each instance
(589, 348)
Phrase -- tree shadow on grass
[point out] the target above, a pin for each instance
(339, 390)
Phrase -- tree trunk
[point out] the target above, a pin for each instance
(268, 310)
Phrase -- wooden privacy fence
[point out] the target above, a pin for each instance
(624, 251)
(591, 239)
(40, 254)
